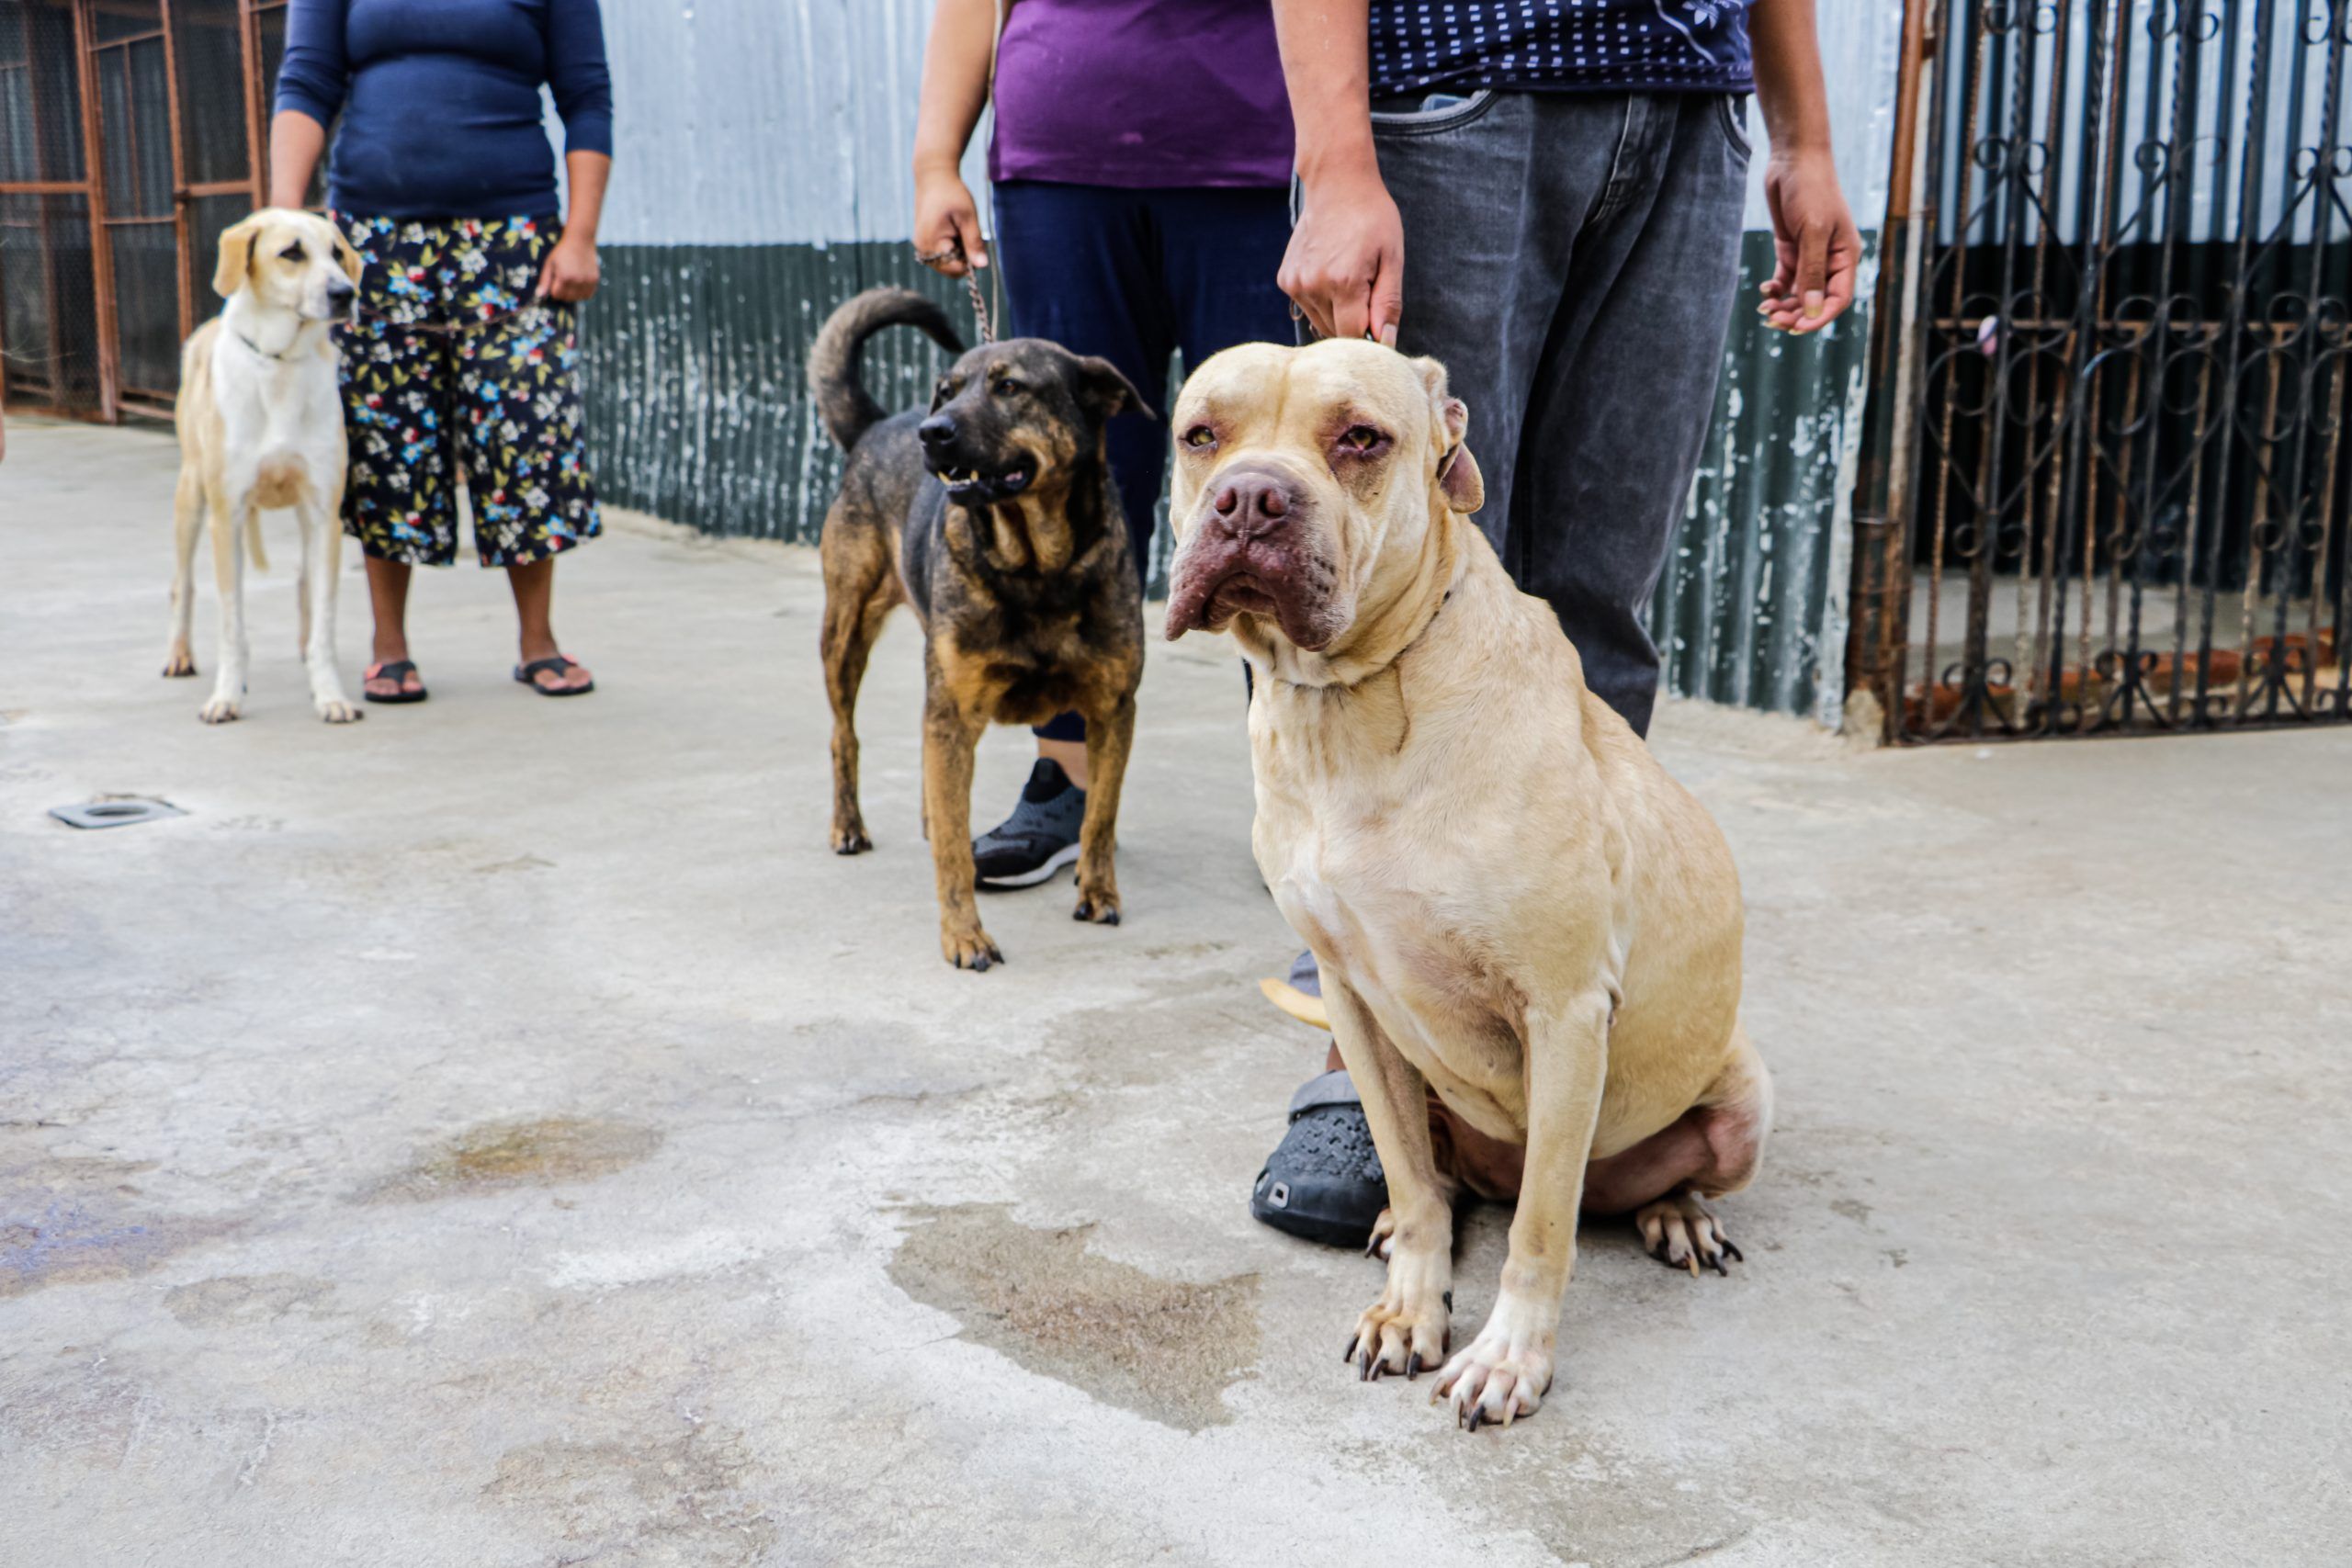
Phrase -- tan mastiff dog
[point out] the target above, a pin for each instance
(1511, 902)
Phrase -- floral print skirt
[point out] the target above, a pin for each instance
(455, 368)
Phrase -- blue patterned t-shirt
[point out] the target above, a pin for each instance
(1560, 45)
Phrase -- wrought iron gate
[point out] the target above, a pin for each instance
(2109, 492)
(131, 134)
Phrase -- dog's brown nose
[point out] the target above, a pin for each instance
(1253, 503)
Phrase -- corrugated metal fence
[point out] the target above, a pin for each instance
(763, 177)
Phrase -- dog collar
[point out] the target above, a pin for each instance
(263, 352)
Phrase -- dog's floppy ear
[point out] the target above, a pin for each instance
(1457, 470)
(347, 254)
(236, 256)
(1107, 391)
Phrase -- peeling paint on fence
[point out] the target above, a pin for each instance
(1750, 608)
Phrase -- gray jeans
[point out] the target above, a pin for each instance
(1572, 259)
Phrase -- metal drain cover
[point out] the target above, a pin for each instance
(115, 813)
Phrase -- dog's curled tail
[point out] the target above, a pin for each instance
(848, 410)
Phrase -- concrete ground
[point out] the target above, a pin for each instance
(499, 1134)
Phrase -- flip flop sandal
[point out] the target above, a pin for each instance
(1301, 994)
(396, 671)
(1324, 1181)
(529, 675)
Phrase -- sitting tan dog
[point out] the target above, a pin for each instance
(260, 424)
(1511, 902)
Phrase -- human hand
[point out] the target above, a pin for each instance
(1345, 266)
(571, 271)
(1814, 243)
(947, 224)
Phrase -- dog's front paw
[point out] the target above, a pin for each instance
(968, 947)
(221, 710)
(1098, 904)
(1394, 1339)
(1408, 1328)
(178, 663)
(337, 710)
(849, 838)
(1503, 1373)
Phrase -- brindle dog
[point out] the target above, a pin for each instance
(994, 515)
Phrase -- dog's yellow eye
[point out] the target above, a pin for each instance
(1361, 438)
(1200, 435)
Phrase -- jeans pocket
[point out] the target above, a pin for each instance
(1731, 111)
(1422, 122)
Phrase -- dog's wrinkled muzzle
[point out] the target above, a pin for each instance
(1255, 551)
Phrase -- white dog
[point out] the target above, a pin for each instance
(260, 424)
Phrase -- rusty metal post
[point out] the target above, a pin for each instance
(253, 87)
(1882, 501)
(101, 238)
(182, 236)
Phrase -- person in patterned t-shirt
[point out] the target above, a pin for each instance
(1546, 196)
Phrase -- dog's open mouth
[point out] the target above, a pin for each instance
(969, 486)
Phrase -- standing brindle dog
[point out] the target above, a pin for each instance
(994, 515)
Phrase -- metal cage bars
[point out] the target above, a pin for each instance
(2104, 493)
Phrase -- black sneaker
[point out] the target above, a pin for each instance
(1039, 837)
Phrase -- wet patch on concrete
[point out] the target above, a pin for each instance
(689, 1499)
(65, 1218)
(499, 1154)
(66, 1242)
(1164, 1348)
(234, 1300)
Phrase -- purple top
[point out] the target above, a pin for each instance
(1141, 93)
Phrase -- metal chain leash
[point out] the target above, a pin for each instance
(955, 251)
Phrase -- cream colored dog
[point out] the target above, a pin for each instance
(1511, 902)
(260, 424)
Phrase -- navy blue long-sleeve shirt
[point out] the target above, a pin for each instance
(440, 99)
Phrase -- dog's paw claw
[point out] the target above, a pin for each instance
(340, 713)
(178, 667)
(1389, 1341)
(973, 952)
(853, 843)
(1681, 1233)
(1492, 1383)
(218, 713)
(1102, 908)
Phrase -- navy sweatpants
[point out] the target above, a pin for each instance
(1131, 275)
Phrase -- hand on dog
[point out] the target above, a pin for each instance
(947, 224)
(1814, 241)
(1345, 266)
(572, 272)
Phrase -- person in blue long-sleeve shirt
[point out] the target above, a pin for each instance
(464, 358)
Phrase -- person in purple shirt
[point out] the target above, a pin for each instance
(1141, 174)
